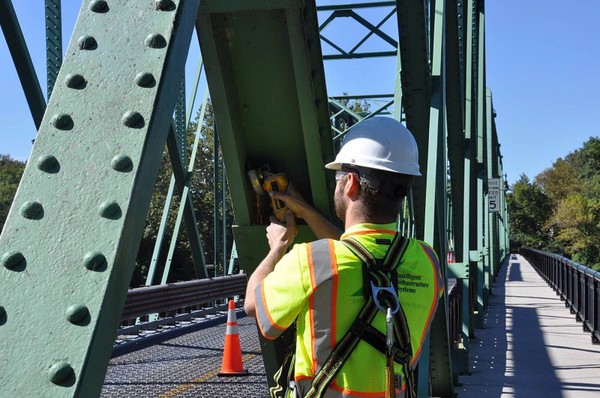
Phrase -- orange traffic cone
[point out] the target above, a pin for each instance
(232, 354)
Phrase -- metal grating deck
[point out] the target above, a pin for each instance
(187, 366)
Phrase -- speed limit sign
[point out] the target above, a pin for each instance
(494, 195)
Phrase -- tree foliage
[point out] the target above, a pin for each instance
(572, 186)
(530, 209)
(11, 171)
(201, 184)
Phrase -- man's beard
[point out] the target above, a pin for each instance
(340, 204)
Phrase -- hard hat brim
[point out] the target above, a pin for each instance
(333, 166)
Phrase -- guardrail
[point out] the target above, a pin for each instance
(175, 296)
(576, 284)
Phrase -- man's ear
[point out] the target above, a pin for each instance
(352, 188)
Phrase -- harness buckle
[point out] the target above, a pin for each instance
(375, 290)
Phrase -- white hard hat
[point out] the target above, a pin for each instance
(380, 143)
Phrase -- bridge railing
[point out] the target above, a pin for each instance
(576, 284)
(175, 299)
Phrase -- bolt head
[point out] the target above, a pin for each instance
(62, 121)
(156, 40)
(94, 260)
(121, 163)
(87, 42)
(12, 259)
(60, 372)
(109, 209)
(76, 313)
(32, 210)
(47, 163)
(133, 119)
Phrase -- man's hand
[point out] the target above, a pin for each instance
(321, 227)
(281, 236)
(293, 200)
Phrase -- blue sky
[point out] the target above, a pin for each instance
(542, 67)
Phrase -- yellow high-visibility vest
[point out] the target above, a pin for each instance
(321, 285)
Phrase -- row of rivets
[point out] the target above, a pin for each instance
(33, 210)
(62, 371)
(76, 314)
(92, 260)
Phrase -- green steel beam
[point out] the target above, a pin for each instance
(53, 42)
(372, 30)
(265, 72)
(256, 125)
(415, 73)
(435, 367)
(334, 7)
(469, 200)
(492, 172)
(69, 244)
(479, 47)
(455, 121)
(22, 60)
(186, 207)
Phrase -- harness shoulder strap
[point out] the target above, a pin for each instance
(361, 328)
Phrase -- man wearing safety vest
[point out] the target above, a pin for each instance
(324, 285)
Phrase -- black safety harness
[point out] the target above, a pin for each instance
(380, 283)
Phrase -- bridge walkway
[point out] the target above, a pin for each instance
(530, 345)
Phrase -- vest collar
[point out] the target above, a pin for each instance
(367, 228)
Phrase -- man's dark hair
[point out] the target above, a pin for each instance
(381, 192)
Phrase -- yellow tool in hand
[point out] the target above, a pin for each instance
(264, 181)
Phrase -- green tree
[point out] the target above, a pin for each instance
(576, 216)
(11, 171)
(560, 180)
(530, 209)
(572, 186)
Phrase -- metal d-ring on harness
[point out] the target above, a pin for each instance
(379, 281)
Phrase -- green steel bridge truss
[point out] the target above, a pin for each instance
(68, 247)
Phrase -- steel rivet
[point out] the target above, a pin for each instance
(47, 163)
(145, 79)
(75, 80)
(132, 119)
(12, 259)
(98, 6)
(121, 163)
(62, 121)
(164, 5)
(94, 260)
(155, 40)
(32, 210)
(87, 42)
(109, 209)
(59, 372)
(76, 313)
